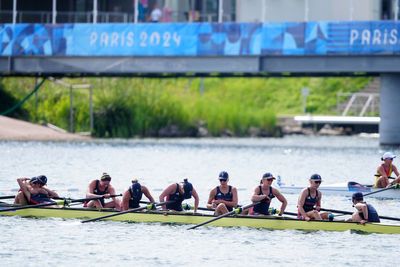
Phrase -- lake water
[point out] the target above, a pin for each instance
(157, 163)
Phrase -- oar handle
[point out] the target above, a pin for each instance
(390, 177)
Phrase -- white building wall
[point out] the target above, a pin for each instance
(296, 10)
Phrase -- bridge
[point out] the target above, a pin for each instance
(212, 49)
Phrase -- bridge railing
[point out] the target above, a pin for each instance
(105, 17)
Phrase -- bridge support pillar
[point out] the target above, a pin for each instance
(389, 127)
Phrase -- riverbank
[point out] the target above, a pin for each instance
(13, 129)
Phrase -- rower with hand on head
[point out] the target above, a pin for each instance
(309, 202)
(385, 170)
(224, 197)
(103, 188)
(178, 192)
(264, 194)
(131, 197)
(34, 191)
(365, 212)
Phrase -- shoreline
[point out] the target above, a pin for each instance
(18, 130)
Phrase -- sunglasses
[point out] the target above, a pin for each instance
(317, 182)
(223, 180)
(106, 179)
(270, 179)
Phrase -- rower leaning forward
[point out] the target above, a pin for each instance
(178, 192)
(34, 191)
(132, 197)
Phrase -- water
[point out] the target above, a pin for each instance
(157, 163)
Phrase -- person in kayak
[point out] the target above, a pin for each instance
(223, 198)
(385, 171)
(34, 191)
(178, 192)
(103, 188)
(265, 193)
(131, 197)
(365, 212)
(309, 203)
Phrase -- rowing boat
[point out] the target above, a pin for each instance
(268, 222)
(345, 189)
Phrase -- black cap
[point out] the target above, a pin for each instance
(41, 179)
(187, 189)
(223, 175)
(358, 196)
(316, 177)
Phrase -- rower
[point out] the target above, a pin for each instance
(103, 188)
(34, 191)
(264, 194)
(309, 203)
(385, 170)
(224, 197)
(131, 197)
(365, 212)
(178, 192)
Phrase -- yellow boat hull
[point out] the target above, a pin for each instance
(268, 222)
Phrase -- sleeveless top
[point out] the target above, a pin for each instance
(178, 198)
(378, 175)
(372, 214)
(136, 193)
(40, 198)
(263, 207)
(227, 197)
(310, 201)
(97, 191)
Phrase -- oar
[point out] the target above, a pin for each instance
(350, 213)
(150, 206)
(237, 211)
(72, 200)
(390, 177)
(34, 206)
(6, 197)
(377, 191)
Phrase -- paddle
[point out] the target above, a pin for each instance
(6, 197)
(150, 206)
(234, 211)
(350, 213)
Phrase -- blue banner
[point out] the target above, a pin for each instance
(201, 39)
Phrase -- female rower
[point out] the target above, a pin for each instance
(265, 193)
(131, 197)
(365, 212)
(224, 197)
(34, 191)
(385, 170)
(309, 203)
(103, 188)
(178, 192)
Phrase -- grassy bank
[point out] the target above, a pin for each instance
(127, 107)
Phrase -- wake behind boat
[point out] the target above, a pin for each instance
(344, 189)
(268, 222)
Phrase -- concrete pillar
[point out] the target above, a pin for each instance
(389, 127)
